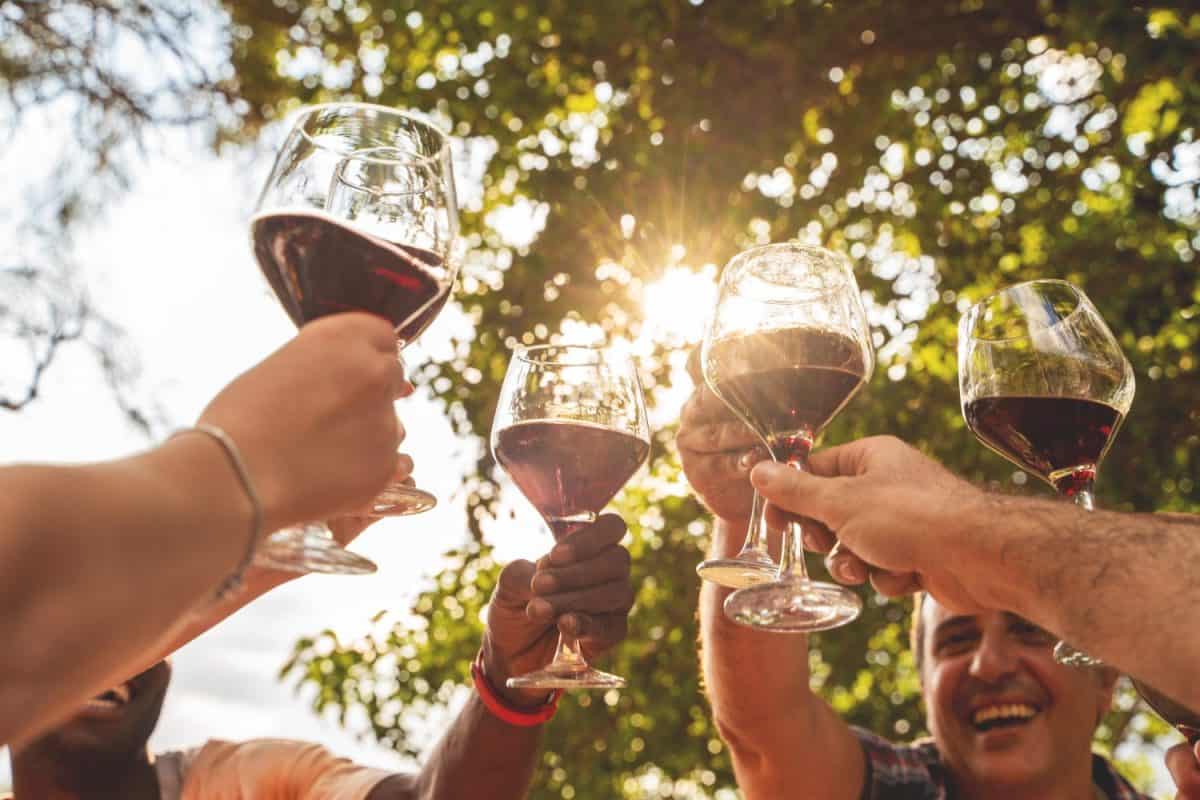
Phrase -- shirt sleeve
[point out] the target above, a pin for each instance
(899, 772)
(275, 769)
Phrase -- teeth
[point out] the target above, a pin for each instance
(1011, 711)
(116, 696)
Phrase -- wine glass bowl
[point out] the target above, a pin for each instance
(788, 346)
(1044, 383)
(359, 213)
(1182, 718)
(570, 430)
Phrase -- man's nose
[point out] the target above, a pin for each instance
(994, 658)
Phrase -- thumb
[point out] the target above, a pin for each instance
(802, 493)
(512, 590)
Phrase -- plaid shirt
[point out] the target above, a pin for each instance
(916, 772)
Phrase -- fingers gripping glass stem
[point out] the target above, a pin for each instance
(793, 603)
(400, 499)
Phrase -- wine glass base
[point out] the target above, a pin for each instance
(1068, 655)
(400, 500)
(793, 606)
(566, 677)
(737, 573)
(310, 548)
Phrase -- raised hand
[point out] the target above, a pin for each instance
(885, 506)
(315, 420)
(581, 588)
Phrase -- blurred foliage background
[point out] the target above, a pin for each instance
(615, 155)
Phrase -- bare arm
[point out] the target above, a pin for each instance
(582, 588)
(478, 756)
(100, 563)
(784, 740)
(1110, 583)
(75, 617)
(259, 581)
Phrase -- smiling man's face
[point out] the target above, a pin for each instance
(1000, 708)
(113, 727)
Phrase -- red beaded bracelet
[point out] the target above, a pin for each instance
(501, 710)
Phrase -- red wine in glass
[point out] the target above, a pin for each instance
(1059, 439)
(318, 266)
(568, 470)
(787, 384)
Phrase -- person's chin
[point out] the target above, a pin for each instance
(1010, 755)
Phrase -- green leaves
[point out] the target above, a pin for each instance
(949, 150)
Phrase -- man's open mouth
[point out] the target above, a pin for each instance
(1002, 715)
(109, 702)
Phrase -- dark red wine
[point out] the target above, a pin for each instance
(568, 469)
(318, 266)
(1059, 439)
(786, 384)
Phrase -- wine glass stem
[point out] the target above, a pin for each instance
(791, 559)
(567, 654)
(756, 532)
(1085, 498)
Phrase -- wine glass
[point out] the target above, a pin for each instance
(1182, 718)
(358, 214)
(1043, 382)
(787, 348)
(570, 430)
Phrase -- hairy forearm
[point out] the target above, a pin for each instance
(98, 563)
(1116, 585)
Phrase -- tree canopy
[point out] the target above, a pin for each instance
(949, 148)
(610, 150)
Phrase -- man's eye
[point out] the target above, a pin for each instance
(1031, 633)
(955, 643)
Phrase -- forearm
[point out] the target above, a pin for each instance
(479, 756)
(99, 562)
(758, 684)
(1112, 584)
(258, 582)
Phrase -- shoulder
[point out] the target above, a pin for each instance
(288, 767)
(901, 771)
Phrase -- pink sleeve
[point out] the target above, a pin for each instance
(276, 769)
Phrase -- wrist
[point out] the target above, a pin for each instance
(498, 669)
(500, 708)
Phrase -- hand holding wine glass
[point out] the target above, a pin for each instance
(787, 348)
(570, 430)
(359, 213)
(580, 589)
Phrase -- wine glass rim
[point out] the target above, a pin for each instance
(308, 111)
(528, 353)
(824, 291)
(1080, 300)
